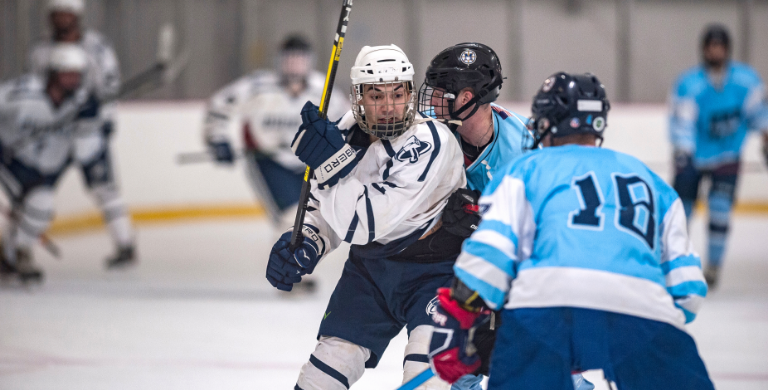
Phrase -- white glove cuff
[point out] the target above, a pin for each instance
(334, 164)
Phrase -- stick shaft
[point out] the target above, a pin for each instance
(418, 380)
(333, 64)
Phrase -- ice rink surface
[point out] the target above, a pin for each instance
(197, 313)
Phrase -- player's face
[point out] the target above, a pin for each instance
(69, 81)
(440, 99)
(387, 102)
(715, 54)
(63, 21)
(439, 104)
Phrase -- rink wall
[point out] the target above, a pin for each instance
(151, 135)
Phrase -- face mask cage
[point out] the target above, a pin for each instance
(295, 65)
(436, 102)
(385, 110)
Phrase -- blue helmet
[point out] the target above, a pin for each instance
(569, 104)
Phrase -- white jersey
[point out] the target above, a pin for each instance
(32, 130)
(103, 73)
(399, 187)
(272, 115)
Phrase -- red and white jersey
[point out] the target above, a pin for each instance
(398, 187)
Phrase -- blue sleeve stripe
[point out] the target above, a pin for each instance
(369, 212)
(499, 227)
(491, 255)
(688, 288)
(688, 315)
(390, 185)
(352, 228)
(388, 147)
(492, 295)
(433, 156)
(685, 261)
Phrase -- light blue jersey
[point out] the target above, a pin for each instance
(509, 142)
(580, 226)
(711, 123)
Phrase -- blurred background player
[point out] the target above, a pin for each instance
(90, 142)
(600, 275)
(36, 120)
(712, 107)
(267, 103)
(384, 174)
(461, 83)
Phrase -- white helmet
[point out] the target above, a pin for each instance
(74, 6)
(377, 64)
(382, 65)
(67, 57)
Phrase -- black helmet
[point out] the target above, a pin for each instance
(466, 65)
(569, 104)
(716, 33)
(295, 42)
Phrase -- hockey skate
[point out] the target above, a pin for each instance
(26, 271)
(711, 275)
(124, 257)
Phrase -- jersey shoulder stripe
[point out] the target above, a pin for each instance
(435, 152)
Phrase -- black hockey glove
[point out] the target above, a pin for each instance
(285, 268)
(461, 214)
(319, 144)
(222, 151)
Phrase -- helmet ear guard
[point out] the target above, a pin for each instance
(569, 104)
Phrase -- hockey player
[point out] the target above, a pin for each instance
(384, 173)
(712, 107)
(90, 142)
(36, 118)
(267, 104)
(462, 83)
(586, 252)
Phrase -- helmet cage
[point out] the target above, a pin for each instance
(393, 124)
(466, 65)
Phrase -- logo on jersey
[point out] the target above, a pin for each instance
(598, 124)
(468, 57)
(412, 149)
(432, 306)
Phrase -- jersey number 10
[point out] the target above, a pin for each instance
(634, 210)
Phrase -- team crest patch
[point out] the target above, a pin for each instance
(598, 124)
(468, 57)
(432, 306)
(412, 149)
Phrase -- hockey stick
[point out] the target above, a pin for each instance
(187, 158)
(164, 71)
(418, 380)
(45, 241)
(338, 44)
